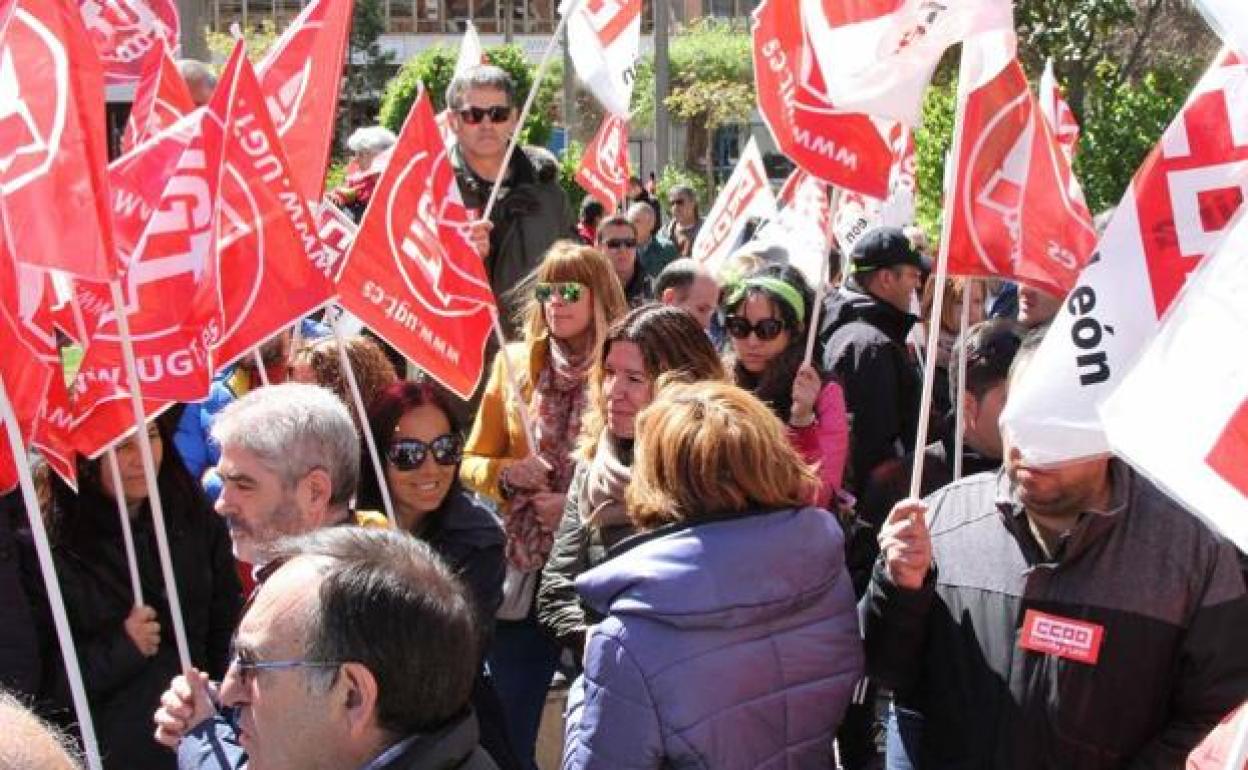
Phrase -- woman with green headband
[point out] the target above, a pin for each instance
(766, 315)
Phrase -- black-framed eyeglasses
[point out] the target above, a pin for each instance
(766, 330)
(474, 115)
(569, 291)
(247, 668)
(408, 454)
(620, 243)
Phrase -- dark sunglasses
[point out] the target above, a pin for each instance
(408, 454)
(474, 115)
(766, 329)
(620, 243)
(570, 292)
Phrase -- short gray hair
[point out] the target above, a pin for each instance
(641, 207)
(481, 76)
(194, 71)
(294, 428)
(371, 139)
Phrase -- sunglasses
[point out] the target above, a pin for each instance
(620, 243)
(570, 292)
(766, 329)
(408, 454)
(474, 115)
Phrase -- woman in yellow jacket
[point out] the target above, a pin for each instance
(575, 297)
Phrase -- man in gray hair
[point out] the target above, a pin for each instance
(199, 80)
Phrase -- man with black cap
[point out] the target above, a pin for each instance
(864, 330)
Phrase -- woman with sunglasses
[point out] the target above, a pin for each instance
(650, 342)
(766, 315)
(575, 297)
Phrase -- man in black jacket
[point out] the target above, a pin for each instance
(864, 332)
(1070, 617)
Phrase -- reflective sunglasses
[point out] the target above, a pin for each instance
(620, 243)
(570, 292)
(766, 329)
(474, 115)
(408, 454)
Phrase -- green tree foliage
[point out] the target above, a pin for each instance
(568, 165)
(674, 175)
(259, 40)
(368, 67)
(434, 67)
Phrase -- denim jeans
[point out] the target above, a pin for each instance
(522, 660)
(905, 736)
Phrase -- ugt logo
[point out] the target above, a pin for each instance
(32, 109)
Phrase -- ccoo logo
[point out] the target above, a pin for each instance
(34, 96)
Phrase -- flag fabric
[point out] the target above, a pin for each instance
(803, 226)
(1181, 414)
(747, 194)
(603, 172)
(603, 41)
(1175, 211)
(857, 214)
(838, 146)
(125, 32)
(1057, 112)
(877, 56)
(301, 76)
(1229, 18)
(412, 276)
(53, 151)
(29, 349)
(1016, 208)
(160, 99)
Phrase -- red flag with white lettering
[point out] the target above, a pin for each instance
(411, 275)
(124, 32)
(747, 194)
(842, 148)
(1057, 112)
(1017, 209)
(301, 76)
(53, 189)
(604, 166)
(160, 99)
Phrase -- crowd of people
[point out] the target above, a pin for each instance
(683, 496)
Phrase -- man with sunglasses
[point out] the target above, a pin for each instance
(617, 240)
(682, 231)
(532, 211)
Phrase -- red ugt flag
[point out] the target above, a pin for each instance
(126, 31)
(411, 275)
(604, 166)
(53, 190)
(160, 98)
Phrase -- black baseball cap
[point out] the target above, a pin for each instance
(885, 247)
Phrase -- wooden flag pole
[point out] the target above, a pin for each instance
(260, 372)
(821, 290)
(365, 427)
(127, 532)
(516, 393)
(960, 392)
(56, 601)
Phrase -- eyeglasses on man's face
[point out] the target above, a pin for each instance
(474, 115)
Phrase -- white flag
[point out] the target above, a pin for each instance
(603, 40)
(1175, 211)
(746, 194)
(803, 228)
(878, 56)
(1181, 414)
(1057, 112)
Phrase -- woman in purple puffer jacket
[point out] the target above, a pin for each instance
(730, 637)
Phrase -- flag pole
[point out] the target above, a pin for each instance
(528, 105)
(960, 395)
(56, 601)
(517, 395)
(149, 473)
(1238, 754)
(938, 285)
(821, 290)
(260, 372)
(365, 427)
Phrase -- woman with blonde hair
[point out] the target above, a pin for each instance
(575, 297)
(651, 342)
(730, 637)
(950, 319)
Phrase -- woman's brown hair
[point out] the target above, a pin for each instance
(951, 308)
(672, 344)
(373, 371)
(709, 450)
(568, 262)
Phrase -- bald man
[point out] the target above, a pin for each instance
(27, 742)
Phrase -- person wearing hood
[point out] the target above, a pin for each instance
(864, 331)
(730, 637)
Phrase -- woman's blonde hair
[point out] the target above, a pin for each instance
(570, 262)
(373, 371)
(672, 343)
(710, 450)
(951, 308)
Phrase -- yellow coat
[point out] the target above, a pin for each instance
(497, 439)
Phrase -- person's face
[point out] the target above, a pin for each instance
(420, 490)
(1036, 307)
(682, 208)
(897, 285)
(569, 319)
(753, 353)
(983, 416)
(300, 370)
(486, 139)
(256, 505)
(978, 295)
(130, 462)
(625, 386)
(701, 299)
(1056, 493)
(285, 718)
(619, 243)
(643, 220)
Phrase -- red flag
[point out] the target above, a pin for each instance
(53, 141)
(301, 76)
(604, 166)
(1229, 456)
(841, 148)
(1017, 209)
(160, 98)
(29, 349)
(411, 275)
(1058, 113)
(126, 31)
